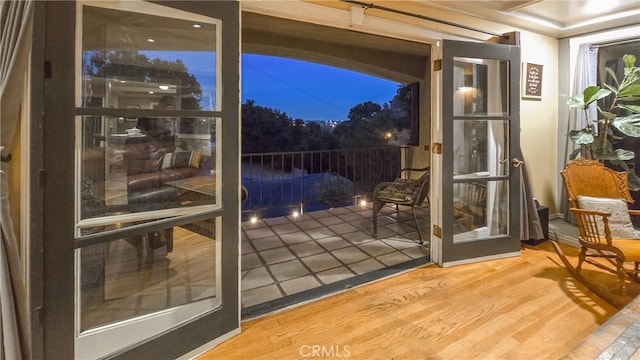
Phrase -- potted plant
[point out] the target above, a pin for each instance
(620, 119)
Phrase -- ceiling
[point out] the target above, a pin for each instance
(557, 18)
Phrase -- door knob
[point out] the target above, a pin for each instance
(515, 162)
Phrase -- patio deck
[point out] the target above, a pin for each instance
(287, 260)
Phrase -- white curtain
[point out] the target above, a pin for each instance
(586, 72)
(530, 225)
(15, 39)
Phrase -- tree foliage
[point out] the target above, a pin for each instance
(368, 125)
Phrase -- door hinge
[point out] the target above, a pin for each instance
(48, 69)
(42, 177)
(436, 148)
(39, 313)
(437, 231)
(437, 65)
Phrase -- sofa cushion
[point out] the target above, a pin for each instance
(181, 159)
(619, 222)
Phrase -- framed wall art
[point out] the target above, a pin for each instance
(531, 81)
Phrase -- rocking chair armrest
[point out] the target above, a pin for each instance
(633, 212)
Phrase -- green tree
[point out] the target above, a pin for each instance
(264, 129)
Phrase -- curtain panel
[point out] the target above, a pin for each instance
(15, 44)
(585, 75)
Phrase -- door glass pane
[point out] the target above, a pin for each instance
(142, 61)
(149, 272)
(480, 87)
(147, 164)
(480, 148)
(480, 210)
(148, 154)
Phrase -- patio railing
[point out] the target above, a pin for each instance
(280, 183)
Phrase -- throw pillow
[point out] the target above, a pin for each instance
(194, 162)
(181, 159)
(166, 161)
(619, 221)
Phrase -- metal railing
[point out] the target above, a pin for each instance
(279, 183)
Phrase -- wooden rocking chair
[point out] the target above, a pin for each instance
(594, 192)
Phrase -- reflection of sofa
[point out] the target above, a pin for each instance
(150, 163)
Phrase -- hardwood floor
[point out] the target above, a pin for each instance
(518, 308)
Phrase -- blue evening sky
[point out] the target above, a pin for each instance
(302, 90)
(307, 90)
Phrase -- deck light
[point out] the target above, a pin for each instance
(254, 220)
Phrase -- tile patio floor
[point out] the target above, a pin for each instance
(286, 256)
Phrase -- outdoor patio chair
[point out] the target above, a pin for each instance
(402, 191)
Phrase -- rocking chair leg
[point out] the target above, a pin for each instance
(621, 274)
(581, 257)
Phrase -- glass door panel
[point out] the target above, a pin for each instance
(149, 221)
(134, 60)
(481, 130)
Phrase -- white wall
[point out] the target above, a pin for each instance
(539, 120)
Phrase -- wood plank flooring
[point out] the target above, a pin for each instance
(518, 308)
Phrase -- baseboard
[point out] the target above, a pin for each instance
(564, 239)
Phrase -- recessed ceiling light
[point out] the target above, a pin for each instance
(151, 92)
(151, 40)
(196, 26)
(163, 87)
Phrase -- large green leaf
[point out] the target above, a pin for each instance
(629, 60)
(628, 125)
(581, 137)
(575, 153)
(611, 87)
(607, 115)
(630, 98)
(594, 93)
(576, 101)
(617, 154)
(632, 108)
(629, 91)
(632, 177)
(615, 79)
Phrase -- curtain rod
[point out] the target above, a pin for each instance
(423, 17)
(616, 42)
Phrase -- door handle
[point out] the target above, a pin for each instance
(515, 162)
